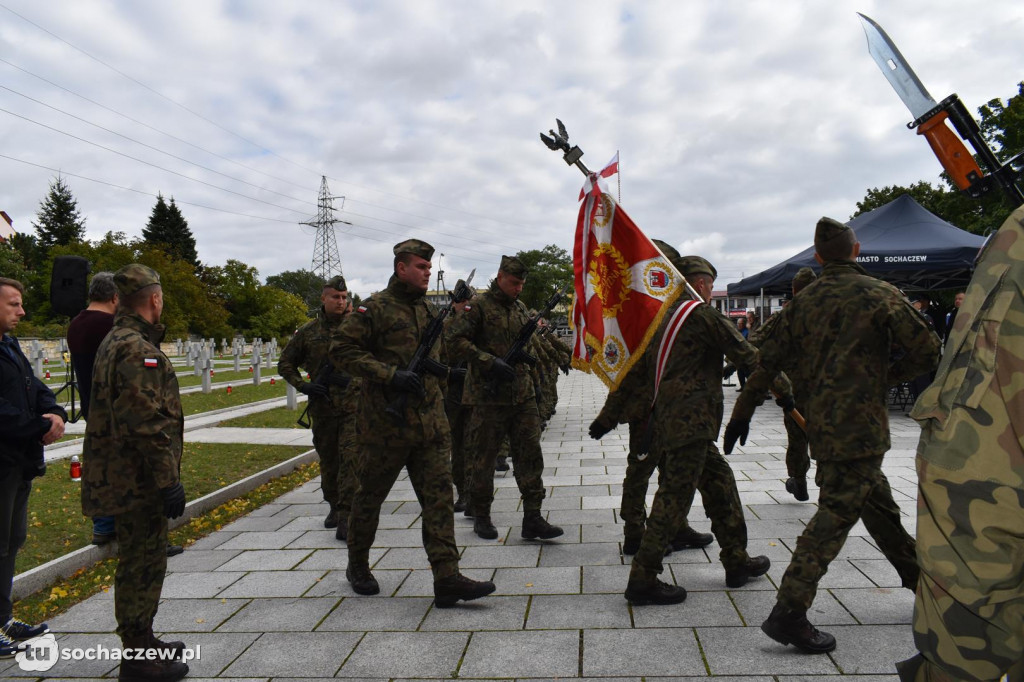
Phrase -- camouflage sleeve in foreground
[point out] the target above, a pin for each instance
(910, 330)
(970, 462)
(293, 357)
(631, 400)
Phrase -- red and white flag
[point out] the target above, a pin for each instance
(624, 286)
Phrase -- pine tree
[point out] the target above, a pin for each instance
(58, 221)
(167, 226)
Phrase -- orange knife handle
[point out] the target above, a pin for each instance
(951, 152)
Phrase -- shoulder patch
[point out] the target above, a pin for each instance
(361, 309)
(467, 307)
(150, 362)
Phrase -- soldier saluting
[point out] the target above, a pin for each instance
(503, 401)
(377, 343)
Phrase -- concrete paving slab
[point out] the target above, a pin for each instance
(538, 580)
(699, 609)
(334, 584)
(272, 584)
(197, 585)
(406, 654)
(522, 655)
(317, 654)
(280, 615)
(381, 615)
(194, 615)
(265, 560)
(878, 605)
(666, 651)
(493, 613)
(748, 651)
(553, 612)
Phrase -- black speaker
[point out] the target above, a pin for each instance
(69, 286)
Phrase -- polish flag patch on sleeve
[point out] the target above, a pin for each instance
(150, 362)
(361, 309)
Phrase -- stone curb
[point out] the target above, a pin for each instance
(40, 577)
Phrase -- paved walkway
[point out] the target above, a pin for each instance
(266, 597)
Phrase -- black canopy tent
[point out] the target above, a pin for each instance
(902, 243)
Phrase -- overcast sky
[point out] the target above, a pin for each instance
(739, 124)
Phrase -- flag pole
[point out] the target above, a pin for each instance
(618, 175)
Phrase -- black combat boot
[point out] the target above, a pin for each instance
(483, 527)
(500, 464)
(631, 545)
(177, 647)
(460, 503)
(751, 568)
(536, 526)
(361, 579)
(140, 669)
(331, 520)
(449, 590)
(655, 592)
(688, 538)
(792, 627)
(797, 487)
(341, 532)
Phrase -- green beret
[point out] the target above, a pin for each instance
(511, 265)
(667, 249)
(827, 230)
(416, 247)
(133, 277)
(689, 266)
(804, 276)
(337, 283)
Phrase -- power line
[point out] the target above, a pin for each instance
(129, 156)
(156, 149)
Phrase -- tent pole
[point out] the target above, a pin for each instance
(760, 312)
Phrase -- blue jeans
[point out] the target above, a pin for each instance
(103, 525)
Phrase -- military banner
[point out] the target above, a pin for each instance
(623, 287)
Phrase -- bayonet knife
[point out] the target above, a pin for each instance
(929, 118)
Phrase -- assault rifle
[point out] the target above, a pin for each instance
(323, 378)
(421, 361)
(517, 351)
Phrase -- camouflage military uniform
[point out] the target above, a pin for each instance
(483, 331)
(969, 614)
(379, 338)
(132, 452)
(457, 415)
(559, 356)
(333, 417)
(835, 341)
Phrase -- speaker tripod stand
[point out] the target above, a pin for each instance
(70, 385)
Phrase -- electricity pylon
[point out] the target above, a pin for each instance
(326, 261)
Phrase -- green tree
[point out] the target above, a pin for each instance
(58, 221)
(303, 283)
(238, 286)
(1003, 125)
(282, 313)
(12, 264)
(168, 227)
(550, 268)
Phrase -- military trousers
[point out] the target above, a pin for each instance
(334, 437)
(141, 566)
(488, 426)
(431, 478)
(14, 492)
(697, 465)
(457, 416)
(633, 509)
(849, 491)
(798, 461)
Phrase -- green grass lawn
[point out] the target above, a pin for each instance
(220, 375)
(56, 525)
(243, 392)
(277, 418)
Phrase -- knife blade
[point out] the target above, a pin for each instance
(948, 148)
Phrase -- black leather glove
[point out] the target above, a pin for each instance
(502, 371)
(431, 366)
(457, 373)
(339, 379)
(407, 381)
(787, 403)
(736, 428)
(174, 500)
(565, 369)
(729, 371)
(312, 389)
(598, 429)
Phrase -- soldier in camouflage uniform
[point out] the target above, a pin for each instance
(687, 415)
(503, 400)
(333, 399)
(623, 407)
(377, 343)
(457, 415)
(558, 359)
(753, 396)
(836, 341)
(131, 462)
(969, 614)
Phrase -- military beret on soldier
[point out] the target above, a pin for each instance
(511, 265)
(804, 276)
(416, 247)
(133, 277)
(690, 266)
(827, 230)
(337, 283)
(670, 251)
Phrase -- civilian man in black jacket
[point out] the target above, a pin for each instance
(29, 419)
